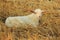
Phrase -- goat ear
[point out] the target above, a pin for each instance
(32, 11)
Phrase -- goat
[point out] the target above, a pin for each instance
(31, 19)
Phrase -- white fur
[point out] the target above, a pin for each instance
(32, 19)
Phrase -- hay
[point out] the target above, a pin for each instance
(49, 29)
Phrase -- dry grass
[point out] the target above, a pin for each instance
(49, 28)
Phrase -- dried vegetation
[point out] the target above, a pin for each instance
(49, 28)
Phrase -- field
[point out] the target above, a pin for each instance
(48, 29)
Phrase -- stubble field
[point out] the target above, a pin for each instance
(49, 28)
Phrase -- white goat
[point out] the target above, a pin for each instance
(32, 19)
